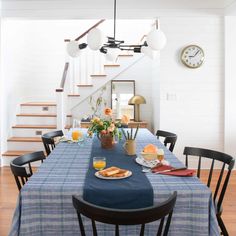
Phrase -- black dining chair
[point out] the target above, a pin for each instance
(118, 217)
(223, 179)
(169, 138)
(48, 140)
(20, 171)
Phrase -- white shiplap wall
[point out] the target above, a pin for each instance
(192, 100)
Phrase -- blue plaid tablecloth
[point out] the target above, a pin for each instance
(45, 207)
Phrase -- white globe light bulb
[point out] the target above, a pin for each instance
(95, 39)
(147, 51)
(156, 39)
(72, 48)
(112, 54)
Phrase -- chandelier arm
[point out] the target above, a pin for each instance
(132, 45)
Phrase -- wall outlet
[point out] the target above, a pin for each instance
(45, 108)
(38, 132)
(171, 97)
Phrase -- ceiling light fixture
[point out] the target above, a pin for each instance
(155, 41)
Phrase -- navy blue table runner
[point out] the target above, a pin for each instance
(130, 193)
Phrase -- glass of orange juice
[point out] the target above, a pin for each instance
(76, 135)
(99, 163)
(160, 155)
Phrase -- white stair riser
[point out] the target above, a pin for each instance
(19, 132)
(21, 146)
(39, 109)
(36, 120)
(6, 160)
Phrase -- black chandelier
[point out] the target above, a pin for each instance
(155, 41)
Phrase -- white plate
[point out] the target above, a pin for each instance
(143, 162)
(103, 177)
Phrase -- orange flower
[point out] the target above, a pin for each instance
(108, 111)
(125, 119)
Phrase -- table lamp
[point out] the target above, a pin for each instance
(136, 100)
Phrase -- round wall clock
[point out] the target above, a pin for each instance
(192, 56)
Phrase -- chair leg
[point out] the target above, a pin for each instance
(222, 226)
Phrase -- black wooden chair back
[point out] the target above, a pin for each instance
(48, 140)
(223, 179)
(127, 216)
(169, 138)
(20, 171)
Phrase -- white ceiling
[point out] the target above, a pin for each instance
(94, 9)
(127, 4)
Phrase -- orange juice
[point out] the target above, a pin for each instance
(76, 135)
(99, 163)
(160, 155)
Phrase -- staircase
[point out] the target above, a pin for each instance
(79, 81)
(35, 119)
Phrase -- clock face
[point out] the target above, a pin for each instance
(192, 56)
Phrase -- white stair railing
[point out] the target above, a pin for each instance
(78, 73)
(61, 99)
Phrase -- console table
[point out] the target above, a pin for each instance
(132, 124)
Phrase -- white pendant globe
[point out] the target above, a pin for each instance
(156, 39)
(112, 54)
(95, 39)
(72, 48)
(147, 51)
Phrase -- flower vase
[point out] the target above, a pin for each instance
(107, 141)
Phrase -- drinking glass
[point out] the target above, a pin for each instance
(99, 163)
(160, 155)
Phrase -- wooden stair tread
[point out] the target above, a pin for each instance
(24, 139)
(37, 115)
(84, 85)
(73, 95)
(112, 65)
(15, 153)
(35, 126)
(46, 104)
(98, 75)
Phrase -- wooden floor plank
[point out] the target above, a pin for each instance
(9, 193)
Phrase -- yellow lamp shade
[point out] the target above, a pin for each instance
(137, 99)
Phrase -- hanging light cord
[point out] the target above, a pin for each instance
(114, 20)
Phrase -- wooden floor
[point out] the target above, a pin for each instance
(9, 192)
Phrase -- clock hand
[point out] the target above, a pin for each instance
(196, 53)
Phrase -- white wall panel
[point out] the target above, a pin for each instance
(192, 100)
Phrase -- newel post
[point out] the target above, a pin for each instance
(60, 109)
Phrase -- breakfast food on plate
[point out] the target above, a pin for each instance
(150, 148)
(149, 152)
(114, 172)
(122, 173)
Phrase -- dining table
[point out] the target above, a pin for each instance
(44, 206)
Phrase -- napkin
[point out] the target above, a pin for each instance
(160, 168)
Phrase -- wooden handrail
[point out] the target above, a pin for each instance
(82, 35)
(63, 79)
(94, 26)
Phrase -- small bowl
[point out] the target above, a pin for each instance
(149, 156)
